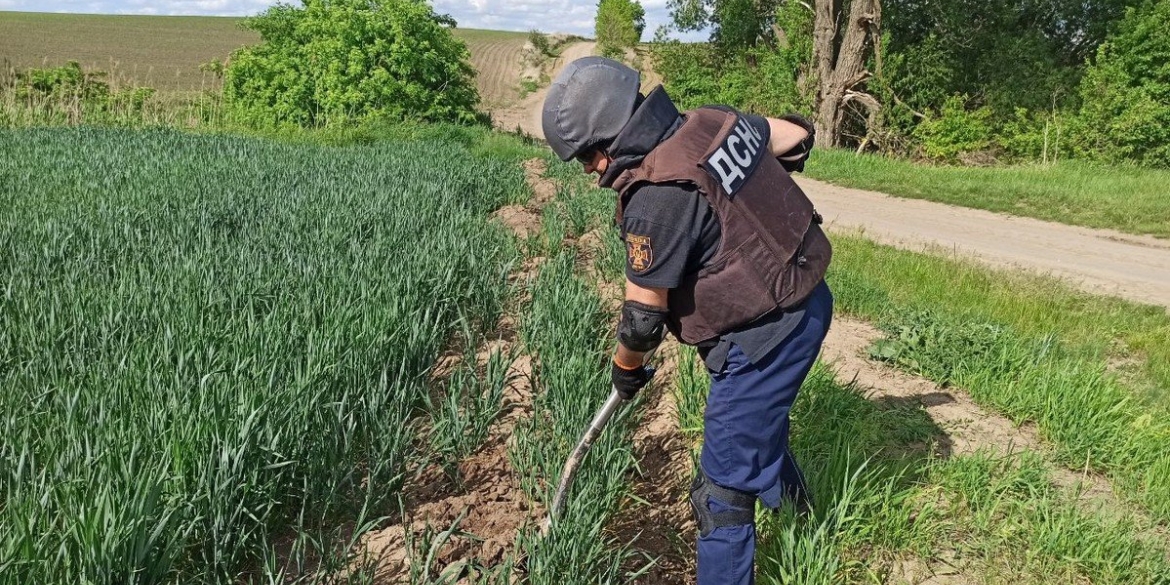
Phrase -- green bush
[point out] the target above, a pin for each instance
(540, 41)
(686, 71)
(955, 131)
(1022, 135)
(334, 61)
(1126, 93)
(64, 82)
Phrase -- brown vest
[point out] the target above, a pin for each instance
(772, 252)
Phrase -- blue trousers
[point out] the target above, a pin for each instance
(745, 438)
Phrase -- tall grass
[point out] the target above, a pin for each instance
(1089, 371)
(119, 102)
(212, 348)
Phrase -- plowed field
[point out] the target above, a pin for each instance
(165, 51)
(496, 58)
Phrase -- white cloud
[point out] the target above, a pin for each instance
(520, 15)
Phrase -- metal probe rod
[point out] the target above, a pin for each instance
(573, 463)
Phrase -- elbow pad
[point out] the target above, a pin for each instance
(642, 326)
(793, 160)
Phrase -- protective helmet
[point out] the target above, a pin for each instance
(588, 104)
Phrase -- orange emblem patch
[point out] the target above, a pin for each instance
(640, 254)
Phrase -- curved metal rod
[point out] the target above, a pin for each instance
(573, 463)
(578, 455)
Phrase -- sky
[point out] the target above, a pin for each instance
(569, 16)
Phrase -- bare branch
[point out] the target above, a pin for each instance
(916, 113)
(781, 36)
(862, 98)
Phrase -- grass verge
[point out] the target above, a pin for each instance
(1126, 199)
(890, 512)
(1091, 372)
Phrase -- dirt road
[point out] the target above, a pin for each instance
(1100, 261)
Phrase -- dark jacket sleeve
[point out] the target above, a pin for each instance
(660, 226)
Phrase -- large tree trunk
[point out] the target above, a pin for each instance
(841, 68)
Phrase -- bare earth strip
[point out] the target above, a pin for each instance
(1100, 261)
(659, 522)
(489, 503)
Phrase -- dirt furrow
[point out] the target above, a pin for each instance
(497, 66)
(486, 508)
(658, 518)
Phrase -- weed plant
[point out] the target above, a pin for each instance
(212, 348)
(1007, 512)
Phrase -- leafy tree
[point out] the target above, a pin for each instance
(996, 76)
(843, 34)
(338, 60)
(736, 25)
(1002, 53)
(768, 79)
(60, 83)
(619, 26)
(1126, 93)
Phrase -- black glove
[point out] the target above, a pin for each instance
(629, 382)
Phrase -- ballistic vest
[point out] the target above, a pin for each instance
(772, 251)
